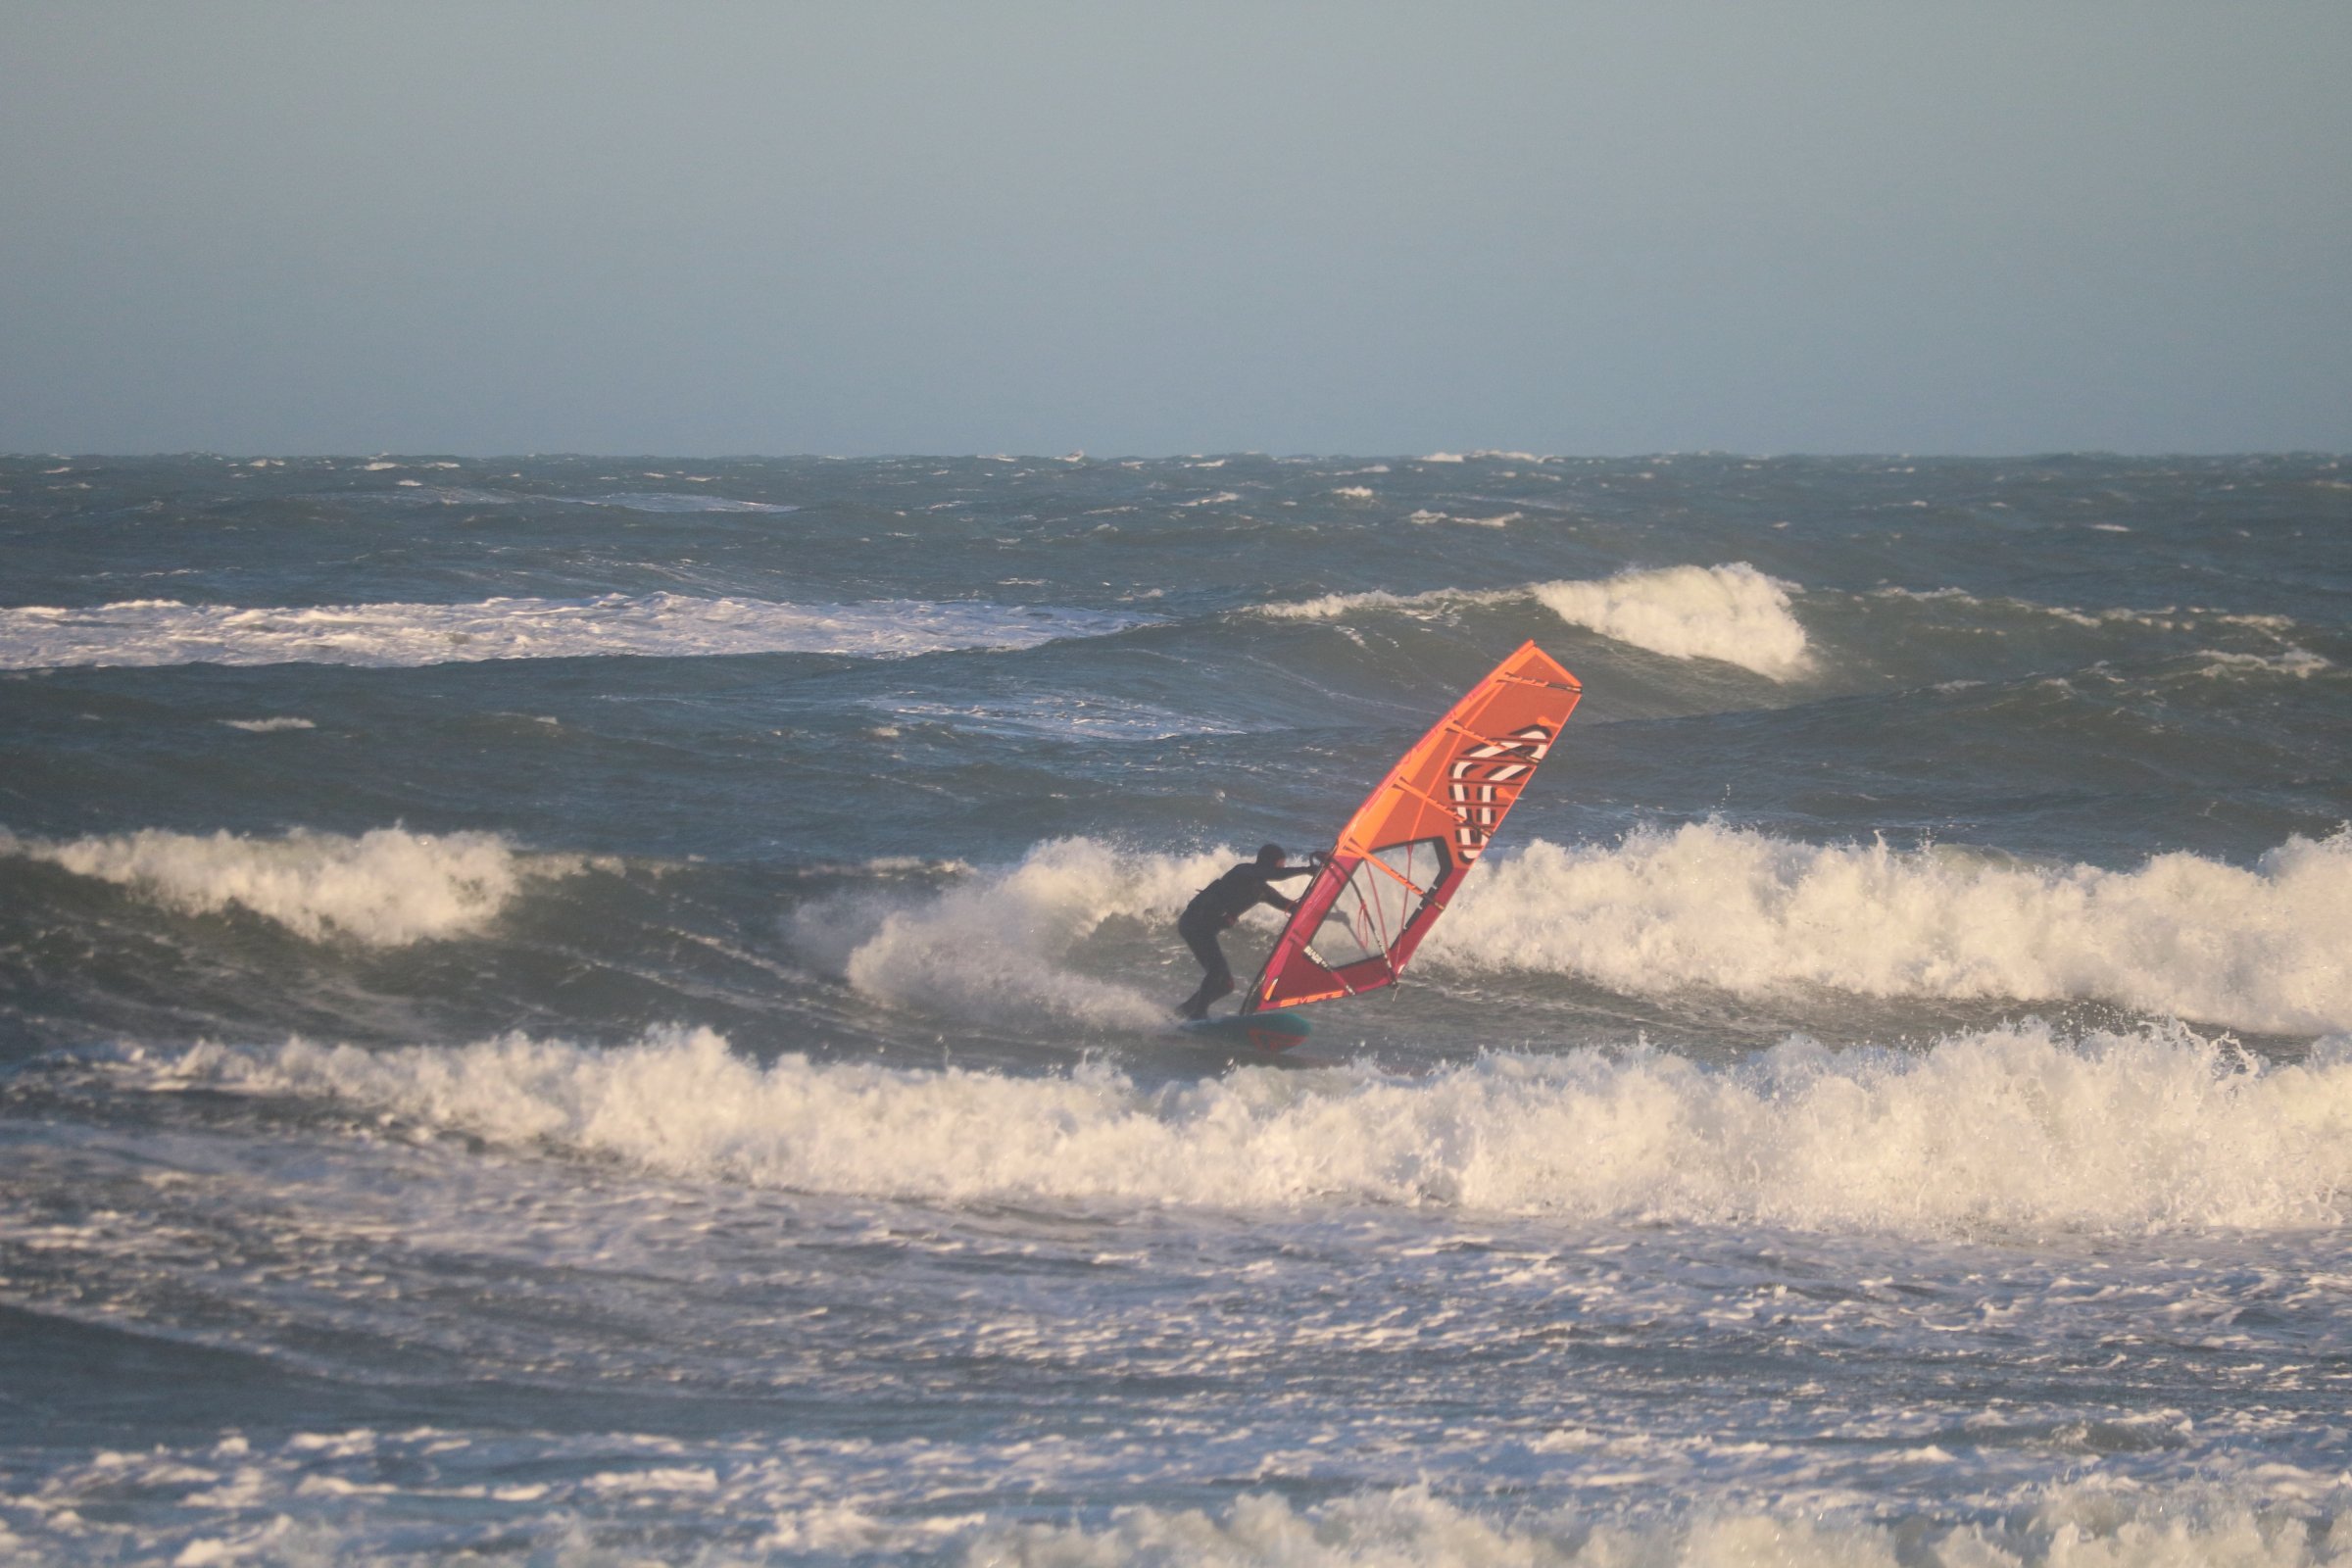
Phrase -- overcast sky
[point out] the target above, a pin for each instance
(862, 228)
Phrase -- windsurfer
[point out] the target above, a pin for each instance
(1219, 905)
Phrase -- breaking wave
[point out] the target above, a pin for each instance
(1660, 912)
(1731, 613)
(156, 631)
(387, 888)
(2007, 1130)
(1750, 914)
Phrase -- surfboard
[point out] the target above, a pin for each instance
(1265, 1031)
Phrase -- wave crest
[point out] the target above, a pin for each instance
(1731, 613)
(387, 888)
(1750, 914)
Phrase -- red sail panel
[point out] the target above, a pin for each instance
(1416, 836)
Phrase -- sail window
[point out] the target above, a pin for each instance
(1378, 901)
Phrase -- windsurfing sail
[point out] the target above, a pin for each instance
(1416, 836)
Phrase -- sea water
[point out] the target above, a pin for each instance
(582, 1010)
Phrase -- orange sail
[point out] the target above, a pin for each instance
(1416, 836)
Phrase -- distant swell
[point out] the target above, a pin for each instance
(2009, 1129)
(153, 632)
(383, 889)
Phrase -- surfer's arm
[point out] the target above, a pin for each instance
(1315, 864)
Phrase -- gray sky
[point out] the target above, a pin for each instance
(699, 228)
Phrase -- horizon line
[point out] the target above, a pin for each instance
(1441, 456)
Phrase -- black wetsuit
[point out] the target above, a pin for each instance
(1216, 907)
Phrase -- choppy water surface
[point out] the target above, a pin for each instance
(579, 1011)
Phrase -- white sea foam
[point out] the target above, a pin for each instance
(2008, 1131)
(2260, 948)
(658, 501)
(151, 631)
(2078, 1525)
(383, 889)
(268, 726)
(1333, 607)
(999, 946)
(416, 492)
(1055, 715)
(1355, 492)
(1731, 613)
(1502, 519)
(2300, 662)
(596, 1500)
(2164, 617)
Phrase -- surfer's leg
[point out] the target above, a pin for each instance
(1218, 981)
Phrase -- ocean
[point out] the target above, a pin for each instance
(594, 1011)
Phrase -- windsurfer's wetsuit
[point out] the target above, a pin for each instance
(1216, 907)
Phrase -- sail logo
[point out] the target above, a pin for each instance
(1484, 780)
